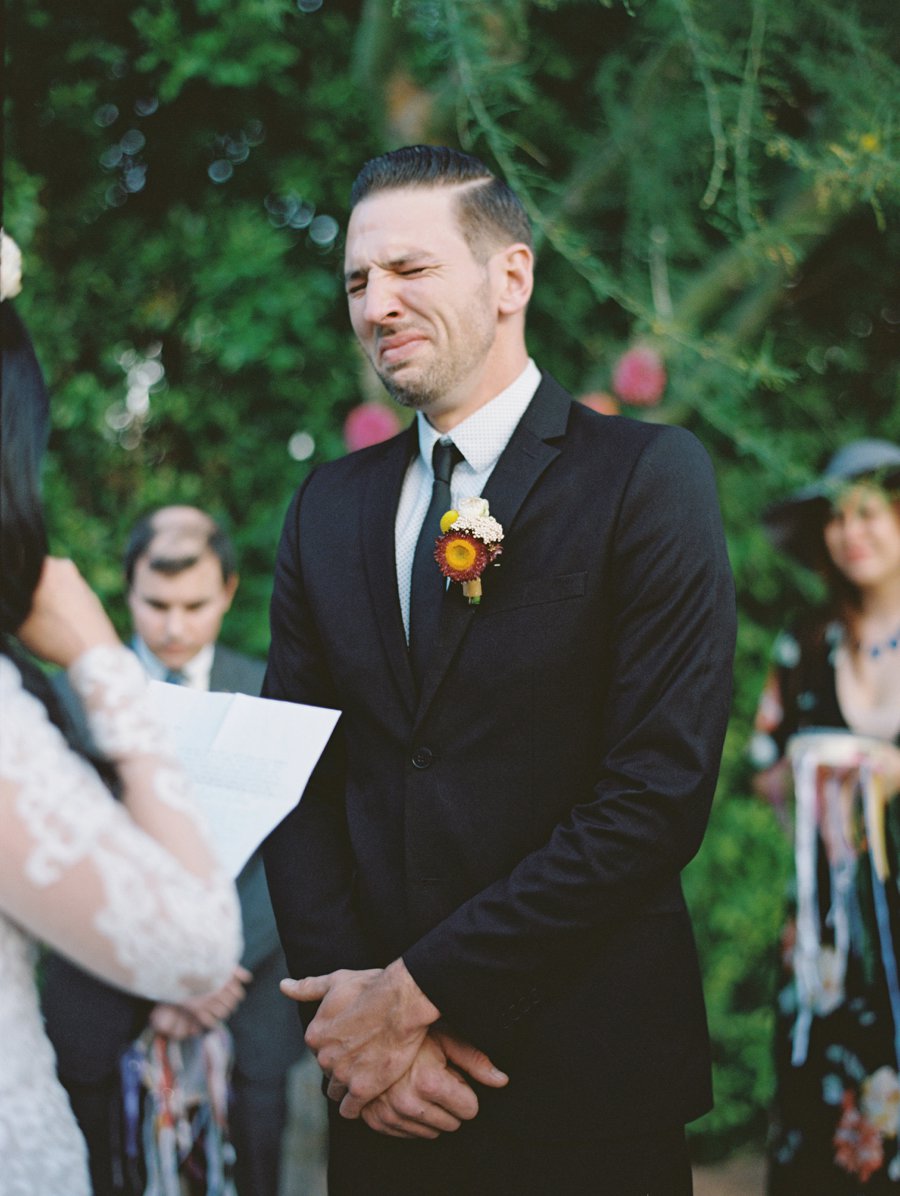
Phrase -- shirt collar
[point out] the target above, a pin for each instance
(482, 436)
(196, 671)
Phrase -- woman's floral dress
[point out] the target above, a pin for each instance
(837, 1106)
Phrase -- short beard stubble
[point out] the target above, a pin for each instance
(475, 335)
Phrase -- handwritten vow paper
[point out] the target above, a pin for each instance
(249, 759)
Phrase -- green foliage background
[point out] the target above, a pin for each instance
(720, 181)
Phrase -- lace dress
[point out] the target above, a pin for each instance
(78, 873)
(836, 1115)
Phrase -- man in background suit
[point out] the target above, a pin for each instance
(181, 573)
(484, 871)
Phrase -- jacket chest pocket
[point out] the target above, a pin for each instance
(536, 591)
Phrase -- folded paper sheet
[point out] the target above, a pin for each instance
(249, 759)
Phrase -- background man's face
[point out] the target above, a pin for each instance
(178, 615)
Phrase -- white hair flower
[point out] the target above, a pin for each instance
(10, 267)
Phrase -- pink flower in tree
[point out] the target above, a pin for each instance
(369, 423)
(639, 377)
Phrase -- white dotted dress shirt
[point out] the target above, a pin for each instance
(481, 438)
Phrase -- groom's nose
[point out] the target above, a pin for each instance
(381, 301)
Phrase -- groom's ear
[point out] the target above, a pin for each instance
(514, 268)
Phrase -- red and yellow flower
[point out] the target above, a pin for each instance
(470, 541)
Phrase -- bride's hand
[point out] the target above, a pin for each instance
(66, 617)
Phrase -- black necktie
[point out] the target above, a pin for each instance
(427, 584)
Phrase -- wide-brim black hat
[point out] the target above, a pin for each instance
(794, 524)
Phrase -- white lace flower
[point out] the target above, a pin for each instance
(113, 687)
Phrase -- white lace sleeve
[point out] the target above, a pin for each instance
(76, 868)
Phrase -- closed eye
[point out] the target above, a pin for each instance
(356, 285)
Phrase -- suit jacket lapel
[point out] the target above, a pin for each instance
(530, 450)
(378, 519)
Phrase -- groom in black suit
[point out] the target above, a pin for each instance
(483, 873)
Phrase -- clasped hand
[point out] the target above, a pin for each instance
(201, 1013)
(374, 1037)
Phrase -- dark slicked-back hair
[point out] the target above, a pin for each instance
(489, 211)
(192, 537)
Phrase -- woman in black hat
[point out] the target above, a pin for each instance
(832, 705)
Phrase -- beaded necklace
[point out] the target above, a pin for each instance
(876, 651)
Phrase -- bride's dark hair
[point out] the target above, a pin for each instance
(23, 533)
(25, 427)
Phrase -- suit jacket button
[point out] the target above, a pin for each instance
(422, 757)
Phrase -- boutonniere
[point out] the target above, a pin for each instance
(470, 541)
